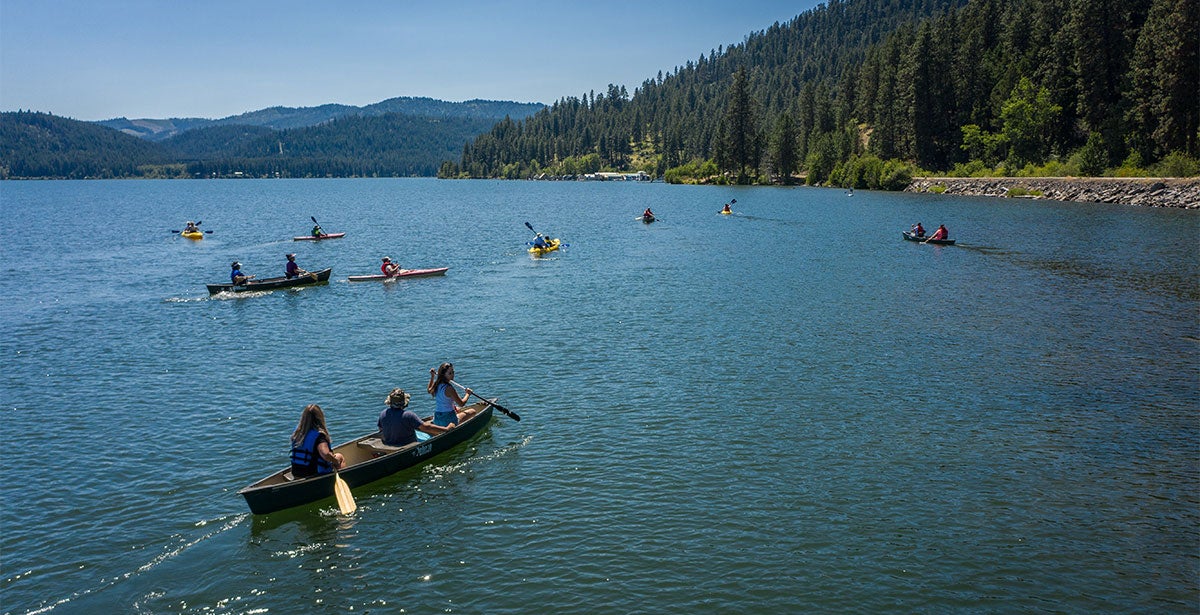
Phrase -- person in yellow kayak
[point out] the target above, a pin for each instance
(540, 242)
(388, 268)
(727, 210)
(191, 227)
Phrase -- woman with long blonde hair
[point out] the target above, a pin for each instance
(448, 406)
(311, 453)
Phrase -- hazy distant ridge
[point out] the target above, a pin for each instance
(284, 118)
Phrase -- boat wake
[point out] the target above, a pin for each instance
(223, 524)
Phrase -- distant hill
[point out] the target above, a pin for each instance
(47, 146)
(39, 145)
(282, 118)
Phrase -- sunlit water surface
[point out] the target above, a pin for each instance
(786, 410)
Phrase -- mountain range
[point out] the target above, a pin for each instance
(398, 137)
(283, 118)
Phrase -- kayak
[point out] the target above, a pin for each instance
(550, 248)
(724, 213)
(368, 459)
(648, 219)
(941, 242)
(319, 237)
(316, 277)
(404, 273)
(192, 234)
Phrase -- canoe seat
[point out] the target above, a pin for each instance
(376, 444)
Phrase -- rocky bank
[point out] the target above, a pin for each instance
(1146, 191)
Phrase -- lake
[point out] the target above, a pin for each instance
(785, 410)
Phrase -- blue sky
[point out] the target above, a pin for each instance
(93, 60)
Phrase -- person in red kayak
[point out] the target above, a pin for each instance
(388, 268)
(940, 234)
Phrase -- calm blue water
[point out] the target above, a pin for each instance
(782, 411)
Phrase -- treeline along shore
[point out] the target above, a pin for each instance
(1145, 191)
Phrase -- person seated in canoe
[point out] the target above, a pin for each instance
(448, 406)
(918, 230)
(388, 268)
(317, 230)
(648, 215)
(293, 270)
(236, 276)
(727, 209)
(191, 227)
(398, 425)
(940, 234)
(540, 242)
(311, 452)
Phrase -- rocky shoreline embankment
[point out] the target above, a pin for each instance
(1144, 191)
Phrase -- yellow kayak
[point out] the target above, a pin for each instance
(550, 248)
(193, 235)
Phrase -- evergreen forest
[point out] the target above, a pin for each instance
(865, 93)
(377, 141)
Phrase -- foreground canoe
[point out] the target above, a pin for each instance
(319, 237)
(554, 243)
(367, 460)
(941, 242)
(316, 277)
(404, 273)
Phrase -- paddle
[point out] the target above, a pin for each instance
(345, 499)
(513, 415)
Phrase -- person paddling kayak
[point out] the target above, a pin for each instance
(388, 268)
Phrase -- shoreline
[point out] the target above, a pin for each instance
(1174, 192)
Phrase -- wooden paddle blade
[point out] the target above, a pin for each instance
(345, 499)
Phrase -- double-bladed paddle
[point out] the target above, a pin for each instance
(513, 415)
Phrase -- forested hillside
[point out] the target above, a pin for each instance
(283, 118)
(387, 144)
(43, 145)
(945, 85)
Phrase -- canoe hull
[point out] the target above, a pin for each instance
(940, 242)
(195, 235)
(404, 273)
(648, 219)
(322, 277)
(319, 237)
(364, 465)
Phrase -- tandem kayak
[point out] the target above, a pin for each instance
(404, 273)
(319, 237)
(941, 242)
(554, 243)
(311, 279)
(192, 234)
(368, 459)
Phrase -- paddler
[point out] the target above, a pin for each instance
(236, 276)
(540, 242)
(388, 268)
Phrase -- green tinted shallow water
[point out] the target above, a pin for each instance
(785, 410)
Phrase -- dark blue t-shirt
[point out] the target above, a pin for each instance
(398, 427)
(233, 275)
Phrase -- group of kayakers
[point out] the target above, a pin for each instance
(941, 233)
(312, 448)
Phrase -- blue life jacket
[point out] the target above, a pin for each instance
(305, 460)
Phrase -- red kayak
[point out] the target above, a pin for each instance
(319, 237)
(404, 273)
